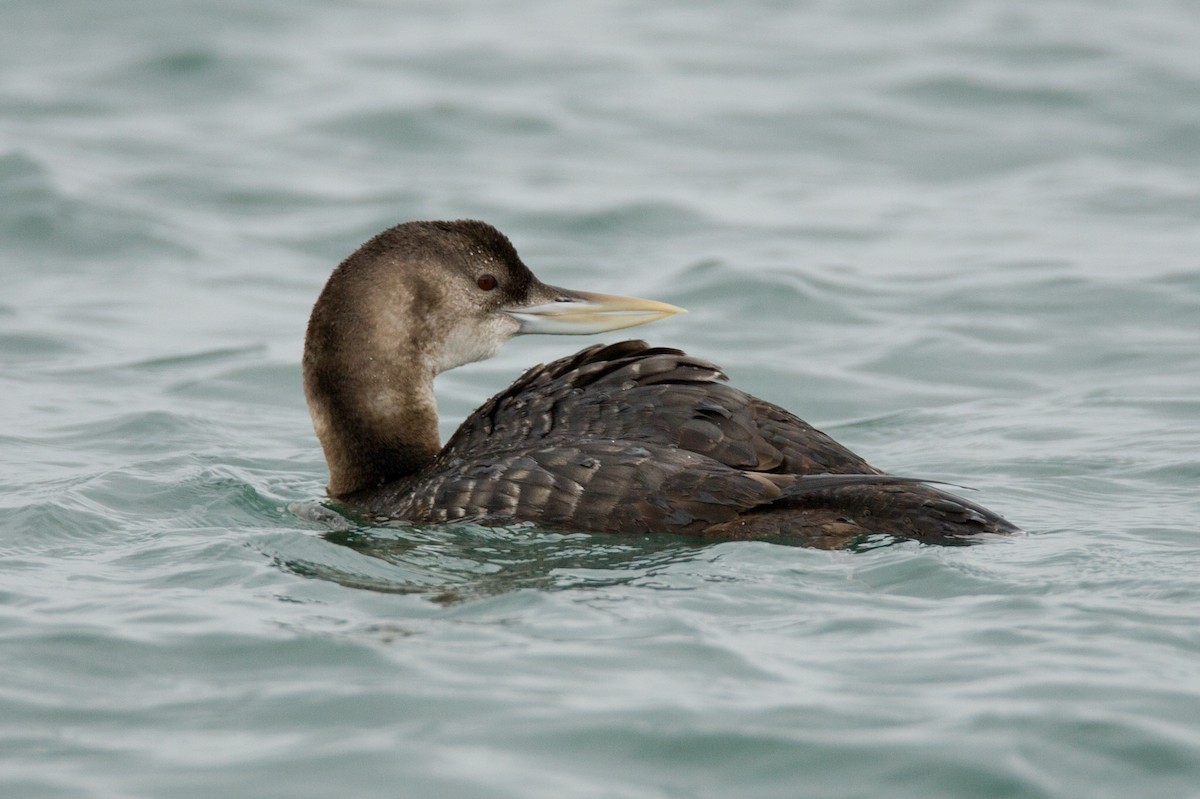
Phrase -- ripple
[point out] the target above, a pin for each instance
(434, 127)
(456, 563)
(37, 216)
(33, 348)
(992, 95)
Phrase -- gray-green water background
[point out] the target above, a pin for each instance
(963, 237)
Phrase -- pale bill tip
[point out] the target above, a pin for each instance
(585, 312)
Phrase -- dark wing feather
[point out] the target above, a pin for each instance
(629, 391)
(628, 438)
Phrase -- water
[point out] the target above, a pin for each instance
(960, 236)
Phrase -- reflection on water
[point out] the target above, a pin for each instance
(455, 563)
(458, 562)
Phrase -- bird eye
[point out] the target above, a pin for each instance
(486, 282)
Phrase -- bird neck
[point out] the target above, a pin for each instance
(376, 425)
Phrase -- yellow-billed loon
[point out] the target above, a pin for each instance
(624, 438)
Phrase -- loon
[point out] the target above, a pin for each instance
(620, 438)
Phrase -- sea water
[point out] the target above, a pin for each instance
(961, 237)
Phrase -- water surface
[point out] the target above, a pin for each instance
(959, 236)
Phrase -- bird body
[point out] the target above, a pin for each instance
(623, 438)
